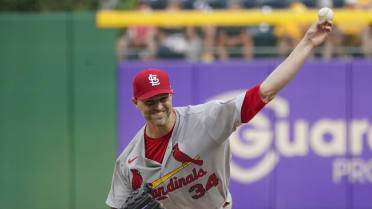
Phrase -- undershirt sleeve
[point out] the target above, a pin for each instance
(252, 104)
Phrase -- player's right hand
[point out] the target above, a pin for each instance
(318, 32)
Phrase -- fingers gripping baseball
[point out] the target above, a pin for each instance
(318, 32)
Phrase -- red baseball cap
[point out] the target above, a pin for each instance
(151, 82)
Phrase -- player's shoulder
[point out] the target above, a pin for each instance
(121, 160)
(131, 147)
(195, 109)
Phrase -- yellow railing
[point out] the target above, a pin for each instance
(118, 19)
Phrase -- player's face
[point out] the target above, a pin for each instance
(157, 109)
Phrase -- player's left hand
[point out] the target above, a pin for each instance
(318, 32)
(141, 198)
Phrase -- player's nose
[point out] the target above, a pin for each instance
(158, 106)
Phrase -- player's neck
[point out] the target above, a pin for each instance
(156, 131)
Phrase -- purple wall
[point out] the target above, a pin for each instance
(309, 148)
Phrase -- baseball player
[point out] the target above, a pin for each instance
(183, 152)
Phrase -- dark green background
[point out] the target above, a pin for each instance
(57, 111)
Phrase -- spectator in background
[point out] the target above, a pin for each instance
(234, 36)
(351, 34)
(138, 42)
(289, 33)
(177, 42)
(207, 33)
(366, 35)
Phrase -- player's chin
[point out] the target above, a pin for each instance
(160, 118)
(160, 121)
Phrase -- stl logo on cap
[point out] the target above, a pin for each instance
(154, 80)
(151, 82)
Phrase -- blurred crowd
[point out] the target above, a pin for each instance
(208, 43)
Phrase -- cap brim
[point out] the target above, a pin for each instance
(154, 93)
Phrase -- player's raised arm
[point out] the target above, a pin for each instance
(280, 77)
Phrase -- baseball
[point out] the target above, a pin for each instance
(325, 14)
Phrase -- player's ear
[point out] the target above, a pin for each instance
(135, 101)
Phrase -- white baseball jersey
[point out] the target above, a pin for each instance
(200, 133)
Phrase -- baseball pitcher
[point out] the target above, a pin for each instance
(180, 157)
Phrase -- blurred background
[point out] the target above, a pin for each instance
(61, 65)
